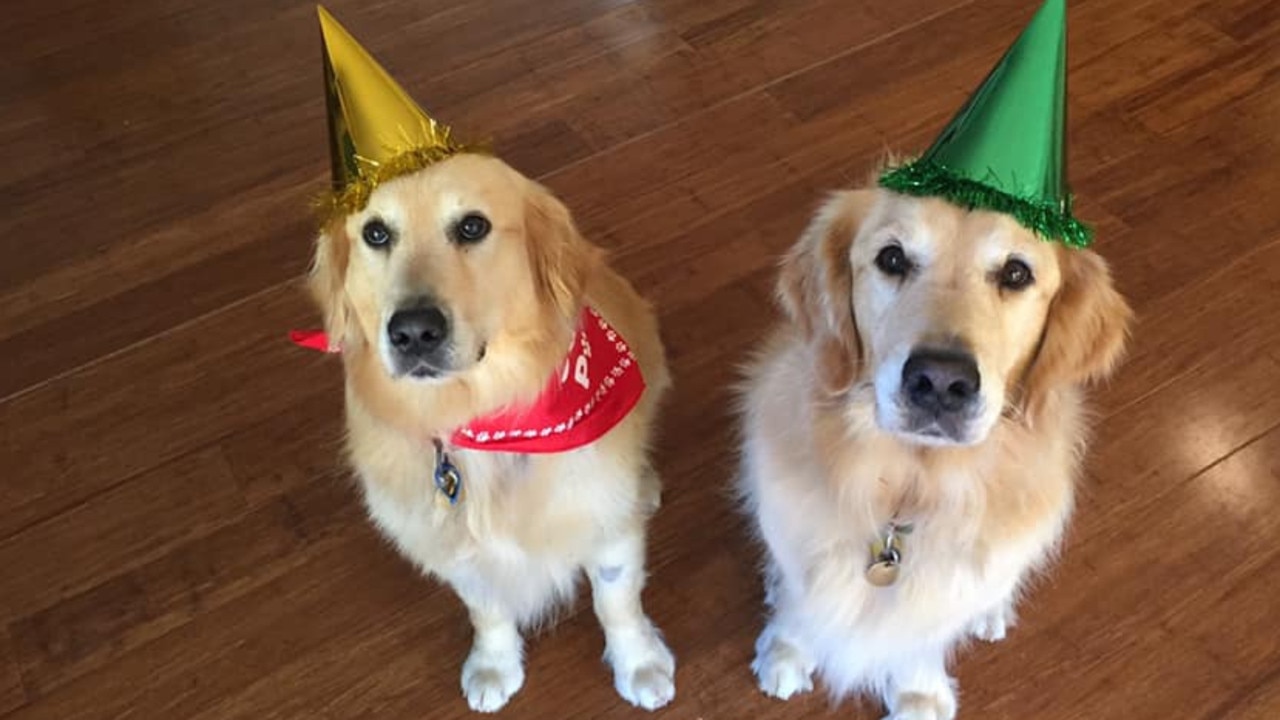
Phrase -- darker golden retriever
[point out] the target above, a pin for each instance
(454, 295)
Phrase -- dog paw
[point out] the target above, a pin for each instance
(913, 715)
(650, 687)
(643, 671)
(782, 670)
(924, 706)
(993, 626)
(920, 713)
(489, 682)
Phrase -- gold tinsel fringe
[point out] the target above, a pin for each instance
(353, 198)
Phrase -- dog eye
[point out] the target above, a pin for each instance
(1015, 275)
(376, 234)
(892, 260)
(473, 227)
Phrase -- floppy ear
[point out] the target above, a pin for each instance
(328, 280)
(1086, 330)
(558, 254)
(815, 288)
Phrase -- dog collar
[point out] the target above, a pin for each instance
(594, 388)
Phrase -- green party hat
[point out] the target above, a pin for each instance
(1004, 151)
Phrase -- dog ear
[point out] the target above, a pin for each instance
(327, 280)
(1085, 333)
(815, 288)
(561, 259)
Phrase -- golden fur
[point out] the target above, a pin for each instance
(828, 461)
(526, 524)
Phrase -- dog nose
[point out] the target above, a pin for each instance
(417, 331)
(941, 380)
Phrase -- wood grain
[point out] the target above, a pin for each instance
(12, 693)
(178, 538)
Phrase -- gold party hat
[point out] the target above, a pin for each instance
(376, 131)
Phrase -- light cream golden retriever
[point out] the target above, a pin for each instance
(453, 295)
(926, 385)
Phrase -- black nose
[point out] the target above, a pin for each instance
(418, 331)
(941, 380)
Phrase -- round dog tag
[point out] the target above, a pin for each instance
(883, 573)
(887, 563)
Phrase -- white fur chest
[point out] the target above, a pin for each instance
(521, 529)
(965, 557)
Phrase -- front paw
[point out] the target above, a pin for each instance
(782, 669)
(925, 706)
(993, 626)
(913, 715)
(643, 670)
(490, 679)
(922, 713)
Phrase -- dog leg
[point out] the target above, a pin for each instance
(494, 670)
(643, 667)
(920, 689)
(781, 665)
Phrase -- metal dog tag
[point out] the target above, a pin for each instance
(886, 563)
(447, 475)
(884, 571)
(449, 482)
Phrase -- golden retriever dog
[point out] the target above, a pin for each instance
(455, 294)
(911, 438)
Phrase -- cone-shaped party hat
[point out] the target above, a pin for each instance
(376, 131)
(1005, 150)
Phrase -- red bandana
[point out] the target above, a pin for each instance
(592, 391)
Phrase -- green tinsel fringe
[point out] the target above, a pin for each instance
(930, 179)
(353, 198)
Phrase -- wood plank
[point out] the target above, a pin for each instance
(1259, 703)
(114, 530)
(1245, 489)
(288, 450)
(147, 259)
(50, 348)
(411, 674)
(1228, 413)
(275, 625)
(1099, 26)
(12, 693)
(106, 622)
(702, 194)
(1242, 639)
(1174, 244)
(134, 411)
(1179, 554)
(1179, 333)
(1241, 74)
(1166, 50)
(884, 81)
(726, 62)
(1244, 20)
(1108, 675)
(681, 156)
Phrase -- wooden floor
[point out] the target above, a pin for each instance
(177, 539)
